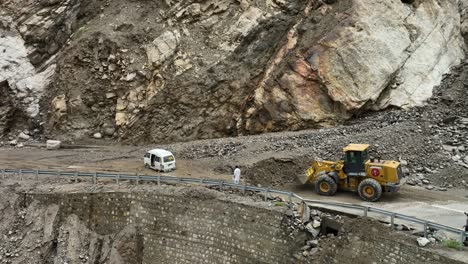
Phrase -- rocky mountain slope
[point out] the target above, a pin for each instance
(173, 70)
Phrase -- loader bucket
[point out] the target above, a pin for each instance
(305, 177)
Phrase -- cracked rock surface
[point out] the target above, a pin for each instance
(163, 71)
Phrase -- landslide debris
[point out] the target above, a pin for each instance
(164, 71)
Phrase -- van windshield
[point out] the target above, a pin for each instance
(168, 159)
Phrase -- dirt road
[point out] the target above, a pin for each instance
(442, 207)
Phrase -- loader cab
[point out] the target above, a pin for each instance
(355, 157)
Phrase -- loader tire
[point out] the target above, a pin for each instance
(325, 185)
(370, 190)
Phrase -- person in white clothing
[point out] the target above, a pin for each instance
(236, 176)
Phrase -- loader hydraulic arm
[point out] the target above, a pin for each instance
(315, 169)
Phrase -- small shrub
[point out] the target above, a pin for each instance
(79, 32)
(450, 243)
(278, 203)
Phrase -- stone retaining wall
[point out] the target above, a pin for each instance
(178, 229)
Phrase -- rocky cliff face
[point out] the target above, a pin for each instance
(179, 70)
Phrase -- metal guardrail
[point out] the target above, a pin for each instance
(222, 184)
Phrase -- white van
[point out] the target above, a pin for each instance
(160, 160)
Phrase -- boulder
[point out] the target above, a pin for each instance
(163, 47)
(375, 70)
(121, 119)
(304, 212)
(313, 243)
(422, 241)
(59, 106)
(23, 136)
(110, 95)
(53, 144)
(109, 130)
(97, 135)
(316, 224)
(313, 231)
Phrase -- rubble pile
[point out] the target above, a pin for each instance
(431, 142)
(197, 151)
(301, 219)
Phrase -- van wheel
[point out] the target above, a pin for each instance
(370, 190)
(146, 165)
(325, 185)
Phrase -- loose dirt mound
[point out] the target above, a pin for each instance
(276, 171)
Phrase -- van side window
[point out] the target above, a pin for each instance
(168, 159)
(157, 159)
(147, 155)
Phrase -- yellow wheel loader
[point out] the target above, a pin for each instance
(355, 172)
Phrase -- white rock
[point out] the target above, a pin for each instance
(97, 135)
(53, 144)
(59, 106)
(314, 231)
(121, 119)
(19, 72)
(130, 77)
(121, 104)
(163, 47)
(23, 136)
(13, 142)
(316, 224)
(422, 241)
(110, 95)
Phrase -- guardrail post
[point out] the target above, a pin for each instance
(94, 178)
(159, 180)
(76, 177)
(290, 197)
(243, 188)
(117, 178)
(221, 186)
(366, 210)
(425, 229)
(3, 173)
(392, 220)
(462, 233)
(137, 178)
(20, 174)
(37, 174)
(179, 180)
(266, 194)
